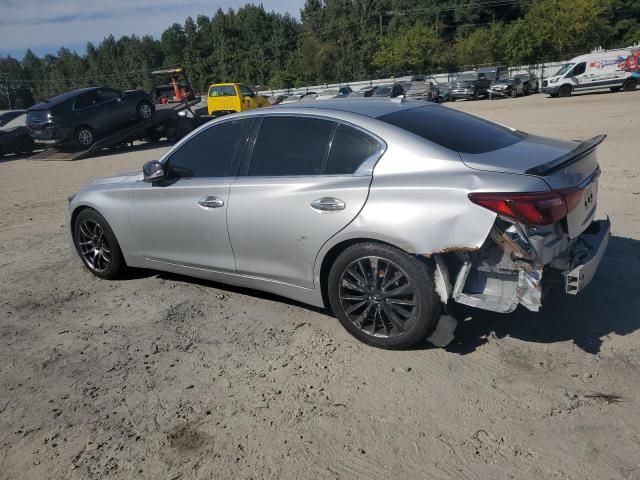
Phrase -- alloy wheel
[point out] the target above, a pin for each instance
(145, 111)
(85, 137)
(93, 246)
(378, 297)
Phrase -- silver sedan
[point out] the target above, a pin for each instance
(385, 212)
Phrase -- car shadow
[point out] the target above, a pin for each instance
(609, 305)
(139, 273)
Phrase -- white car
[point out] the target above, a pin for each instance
(613, 69)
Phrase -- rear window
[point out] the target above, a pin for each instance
(453, 129)
(222, 91)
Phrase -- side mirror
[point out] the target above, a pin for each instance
(153, 171)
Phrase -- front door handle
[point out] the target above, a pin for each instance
(328, 204)
(211, 202)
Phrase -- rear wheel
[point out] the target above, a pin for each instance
(84, 137)
(629, 85)
(144, 110)
(383, 296)
(97, 245)
(564, 91)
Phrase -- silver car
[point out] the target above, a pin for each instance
(386, 212)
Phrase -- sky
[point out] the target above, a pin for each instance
(46, 25)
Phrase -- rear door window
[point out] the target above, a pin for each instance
(106, 95)
(210, 153)
(85, 100)
(290, 146)
(349, 149)
(453, 129)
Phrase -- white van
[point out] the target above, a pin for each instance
(613, 69)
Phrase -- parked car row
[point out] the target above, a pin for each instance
(467, 85)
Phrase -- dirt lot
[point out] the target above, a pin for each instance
(164, 377)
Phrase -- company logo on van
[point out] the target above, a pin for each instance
(600, 64)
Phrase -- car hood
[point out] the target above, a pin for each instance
(120, 177)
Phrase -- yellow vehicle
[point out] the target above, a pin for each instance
(232, 97)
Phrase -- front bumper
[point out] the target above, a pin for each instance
(587, 253)
(500, 93)
(551, 90)
(462, 93)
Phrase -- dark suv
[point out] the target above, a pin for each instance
(82, 117)
(471, 86)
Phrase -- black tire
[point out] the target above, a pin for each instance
(452, 99)
(514, 93)
(108, 262)
(416, 278)
(84, 137)
(629, 85)
(564, 91)
(144, 110)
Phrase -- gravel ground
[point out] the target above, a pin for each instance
(165, 377)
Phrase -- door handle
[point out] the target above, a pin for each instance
(211, 202)
(328, 204)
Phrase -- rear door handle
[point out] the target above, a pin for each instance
(328, 204)
(211, 202)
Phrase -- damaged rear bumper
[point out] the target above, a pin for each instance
(586, 256)
(508, 270)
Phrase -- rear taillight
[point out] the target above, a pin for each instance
(531, 208)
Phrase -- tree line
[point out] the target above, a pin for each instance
(333, 40)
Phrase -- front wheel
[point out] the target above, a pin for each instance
(383, 296)
(564, 91)
(97, 246)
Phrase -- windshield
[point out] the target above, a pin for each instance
(222, 91)
(465, 77)
(565, 68)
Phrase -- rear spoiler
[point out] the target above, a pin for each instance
(581, 151)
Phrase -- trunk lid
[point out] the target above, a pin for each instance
(563, 165)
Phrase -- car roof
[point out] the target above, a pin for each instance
(362, 106)
(53, 101)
